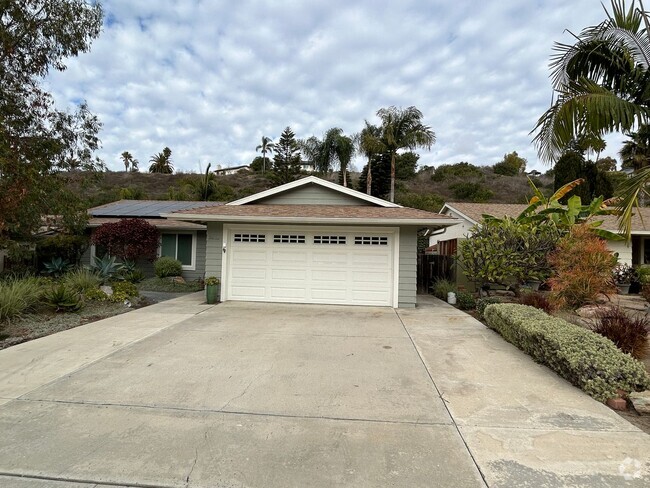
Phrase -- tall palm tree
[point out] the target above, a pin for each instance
(336, 148)
(266, 146)
(402, 128)
(162, 162)
(311, 149)
(635, 153)
(128, 160)
(601, 85)
(369, 144)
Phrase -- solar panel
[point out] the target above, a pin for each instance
(145, 208)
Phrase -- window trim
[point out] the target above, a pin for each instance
(185, 267)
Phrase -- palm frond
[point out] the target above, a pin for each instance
(629, 192)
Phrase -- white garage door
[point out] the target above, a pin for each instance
(307, 265)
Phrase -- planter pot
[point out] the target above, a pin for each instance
(212, 294)
(623, 289)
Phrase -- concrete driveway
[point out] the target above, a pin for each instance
(258, 395)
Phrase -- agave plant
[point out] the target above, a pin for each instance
(57, 267)
(63, 299)
(107, 268)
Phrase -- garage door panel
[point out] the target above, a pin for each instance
(285, 292)
(255, 274)
(289, 274)
(312, 268)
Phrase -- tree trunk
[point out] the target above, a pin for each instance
(392, 178)
(369, 179)
(345, 177)
(264, 162)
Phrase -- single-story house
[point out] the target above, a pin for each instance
(313, 241)
(181, 240)
(231, 170)
(636, 252)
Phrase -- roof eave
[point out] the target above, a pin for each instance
(314, 220)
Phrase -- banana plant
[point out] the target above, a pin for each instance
(541, 209)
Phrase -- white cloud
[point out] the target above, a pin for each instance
(208, 79)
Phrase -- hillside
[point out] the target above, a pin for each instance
(427, 190)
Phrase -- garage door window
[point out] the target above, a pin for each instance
(329, 240)
(371, 241)
(289, 239)
(250, 238)
(178, 246)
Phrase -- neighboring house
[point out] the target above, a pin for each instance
(231, 170)
(307, 166)
(184, 241)
(312, 241)
(469, 214)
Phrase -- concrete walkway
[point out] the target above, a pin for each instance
(265, 395)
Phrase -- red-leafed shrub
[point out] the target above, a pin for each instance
(537, 300)
(582, 267)
(630, 334)
(128, 239)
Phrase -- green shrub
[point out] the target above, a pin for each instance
(63, 299)
(630, 334)
(465, 300)
(125, 288)
(57, 266)
(482, 303)
(165, 285)
(442, 287)
(107, 267)
(582, 357)
(118, 297)
(96, 294)
(643, 273)
(135, 276)
(166, 266)
(18, 296)
(81, 280)
(458, 170)
(470, 191)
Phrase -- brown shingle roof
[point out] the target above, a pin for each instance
(161, 224)
(339, 212)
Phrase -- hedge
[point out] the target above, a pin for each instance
(587, 360)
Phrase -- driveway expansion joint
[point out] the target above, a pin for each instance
(233, 412)
(444, 402)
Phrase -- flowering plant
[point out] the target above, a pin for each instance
(212, 280)
(624, 274)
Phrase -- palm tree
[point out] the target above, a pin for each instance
(601, 85)
(369, 144)
(266, 146)
(128, 160)
(635, 153)
(161, 162)
(402, 128)
(336, 148)
(311, 149)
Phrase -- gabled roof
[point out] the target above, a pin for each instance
(145, 208)
(313, 180)
(473, 213)
(316, 214)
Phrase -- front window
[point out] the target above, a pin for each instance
(178, 246)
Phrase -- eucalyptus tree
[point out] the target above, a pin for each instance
(267, 146)
(40, 144)
(162, 162)
(369, 144)
(402, 128)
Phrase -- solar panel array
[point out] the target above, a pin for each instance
(146, 208)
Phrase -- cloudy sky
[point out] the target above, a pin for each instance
(209, 78)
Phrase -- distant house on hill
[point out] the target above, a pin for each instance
(231, 170)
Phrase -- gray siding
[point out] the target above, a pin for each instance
(408, 248)
(213, 248)
(312, 195)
